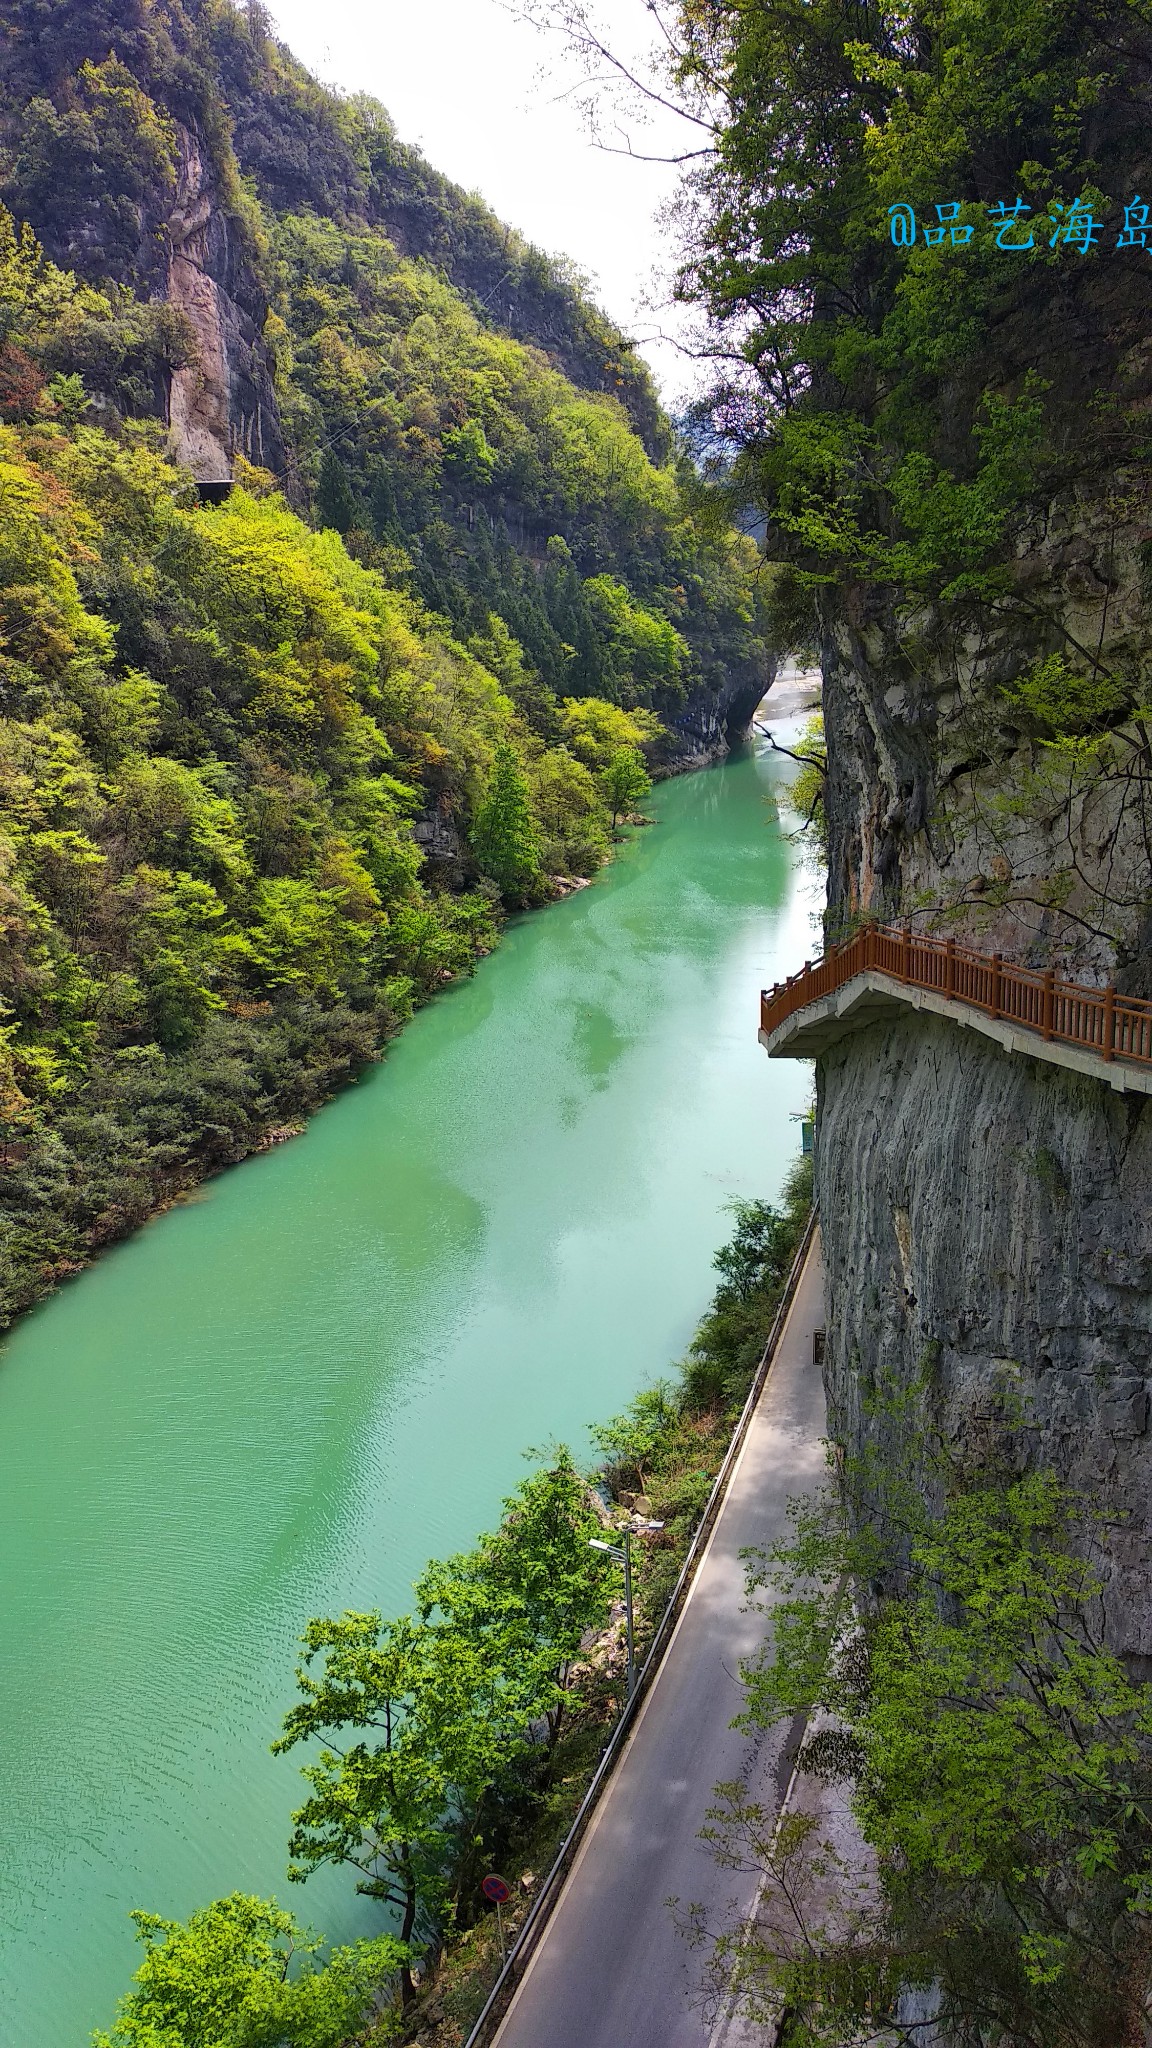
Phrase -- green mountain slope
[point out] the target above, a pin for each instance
(271, 767)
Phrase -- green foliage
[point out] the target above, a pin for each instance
(222, 1981)
(630, 1441)
(94, 162)
(596, 731)
(640, 657)
(504, 834)
(569, 804)
(1065, 704)
(756, 1254)
(905, 417)
(468, 450)
(1001, 1758)
(220, 699)
(753, 1265)
(807, 790)
(624, 781)
(445, 1706)
(219, 730)
(533, 1576)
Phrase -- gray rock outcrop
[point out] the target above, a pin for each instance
(224, 401)
(987, 1228)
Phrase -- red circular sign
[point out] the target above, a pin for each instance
(494, 1888)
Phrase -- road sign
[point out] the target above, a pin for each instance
(494, 1888)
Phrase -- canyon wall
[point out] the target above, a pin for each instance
(988, 1231)
(223, 401)
(988, 1217)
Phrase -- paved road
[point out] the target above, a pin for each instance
(612, 1971)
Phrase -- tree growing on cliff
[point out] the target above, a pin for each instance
(998, 1758)
(504, 835)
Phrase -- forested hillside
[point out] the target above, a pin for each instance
(273, 766)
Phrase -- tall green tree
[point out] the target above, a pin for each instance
(335, 499)
(417, 1723)
(632, 1440)
(624, 781)
(532, 1581)
(505, 839)
(241, 1973)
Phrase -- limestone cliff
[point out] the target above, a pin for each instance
(987, 1218)
(986, 1223)
(223, 401)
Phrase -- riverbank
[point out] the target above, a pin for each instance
(196, 1117)
(200, 1114)
(283, 1395)
(513, 1688)
(674, 1448)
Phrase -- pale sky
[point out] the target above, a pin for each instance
(461, 79)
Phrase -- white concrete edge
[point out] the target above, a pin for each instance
(1119, 1074)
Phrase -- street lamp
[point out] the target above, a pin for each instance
(624, 1556)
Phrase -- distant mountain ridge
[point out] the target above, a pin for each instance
(242, 107)
(174, 150)
(274, 759)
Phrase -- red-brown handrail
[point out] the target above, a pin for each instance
(1110, 1025)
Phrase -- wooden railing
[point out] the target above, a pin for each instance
(1111, 1025)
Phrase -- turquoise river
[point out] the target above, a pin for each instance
(282, 1396)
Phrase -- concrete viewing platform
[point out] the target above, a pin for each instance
(882, 973)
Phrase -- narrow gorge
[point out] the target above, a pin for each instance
(361, 604)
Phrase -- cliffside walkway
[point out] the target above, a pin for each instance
(1030, 1010)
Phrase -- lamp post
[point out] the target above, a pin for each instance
(623, 1555)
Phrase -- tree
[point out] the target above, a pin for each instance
(637, 655)
(999, 1763)
(445, 1717)
(533, 1576)
(757, 1254)
(222, 1981)
(21, 383)
(504, 835)
(596, 730)
(624, 781)
(808, 785)
(69, 397)
(571, 811)
(632, 1440)
(335, 502)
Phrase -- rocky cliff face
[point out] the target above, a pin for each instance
(224, 401)
(987, 1225)
(987, 1218)
(713, 721)
(945, 801)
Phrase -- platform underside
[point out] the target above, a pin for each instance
(873, 998)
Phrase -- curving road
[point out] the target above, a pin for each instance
(611, 1970)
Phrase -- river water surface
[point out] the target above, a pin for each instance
(283, 1396)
